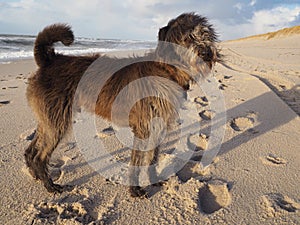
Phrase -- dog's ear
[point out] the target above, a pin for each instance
(163, 33)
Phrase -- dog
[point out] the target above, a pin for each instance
(51, 90)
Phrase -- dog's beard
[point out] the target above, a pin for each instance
(185, 59)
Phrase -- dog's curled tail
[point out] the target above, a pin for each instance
(43, 47)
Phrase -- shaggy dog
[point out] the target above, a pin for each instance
(51, 90)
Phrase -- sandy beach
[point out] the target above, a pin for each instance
(253, 180)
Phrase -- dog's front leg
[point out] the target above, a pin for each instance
(142, 167)
(144, 155)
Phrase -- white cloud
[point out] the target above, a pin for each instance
(130, 19)
(277, 18)
(262, 21)
(238, 6)
(252, 3)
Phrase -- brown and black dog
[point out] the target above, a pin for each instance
(51, 90)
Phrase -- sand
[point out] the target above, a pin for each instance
(253, 180)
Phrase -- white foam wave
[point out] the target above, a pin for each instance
(6, 57)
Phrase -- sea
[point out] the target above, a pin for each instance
(19, 47)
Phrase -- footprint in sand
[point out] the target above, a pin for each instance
(207, 114)
(70, 146)
(28, 135)
(214, 196)
(283, 87)
(56, 168)
(223, 87)
(273, 160)
(276, 204)
(72, 209)
(2, 103)
(193, 169)
(109, 131)
(198, 142)
(227, 77)
(20, 77)
(203, 101)
(242, 123)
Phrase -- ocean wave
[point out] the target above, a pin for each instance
(11, 40)
(15, 47)
(11, 56)
(6, 57)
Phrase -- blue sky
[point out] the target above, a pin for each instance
(141, 19)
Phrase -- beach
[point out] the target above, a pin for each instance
(254, 179)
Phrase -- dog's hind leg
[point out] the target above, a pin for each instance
(51, 129)
(30, 153)
(38, 154)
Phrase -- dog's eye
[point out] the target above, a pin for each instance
(206, 54)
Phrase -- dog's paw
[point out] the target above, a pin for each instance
(68, 188)
(56, 188)
(33, 174)
(53, 188)
(136, 191)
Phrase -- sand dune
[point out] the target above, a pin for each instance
(253, 180)
(283, 33)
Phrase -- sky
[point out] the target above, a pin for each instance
(141, 19)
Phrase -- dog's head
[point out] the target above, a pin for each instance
(193, 33)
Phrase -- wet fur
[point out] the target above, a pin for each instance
(52, 88)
